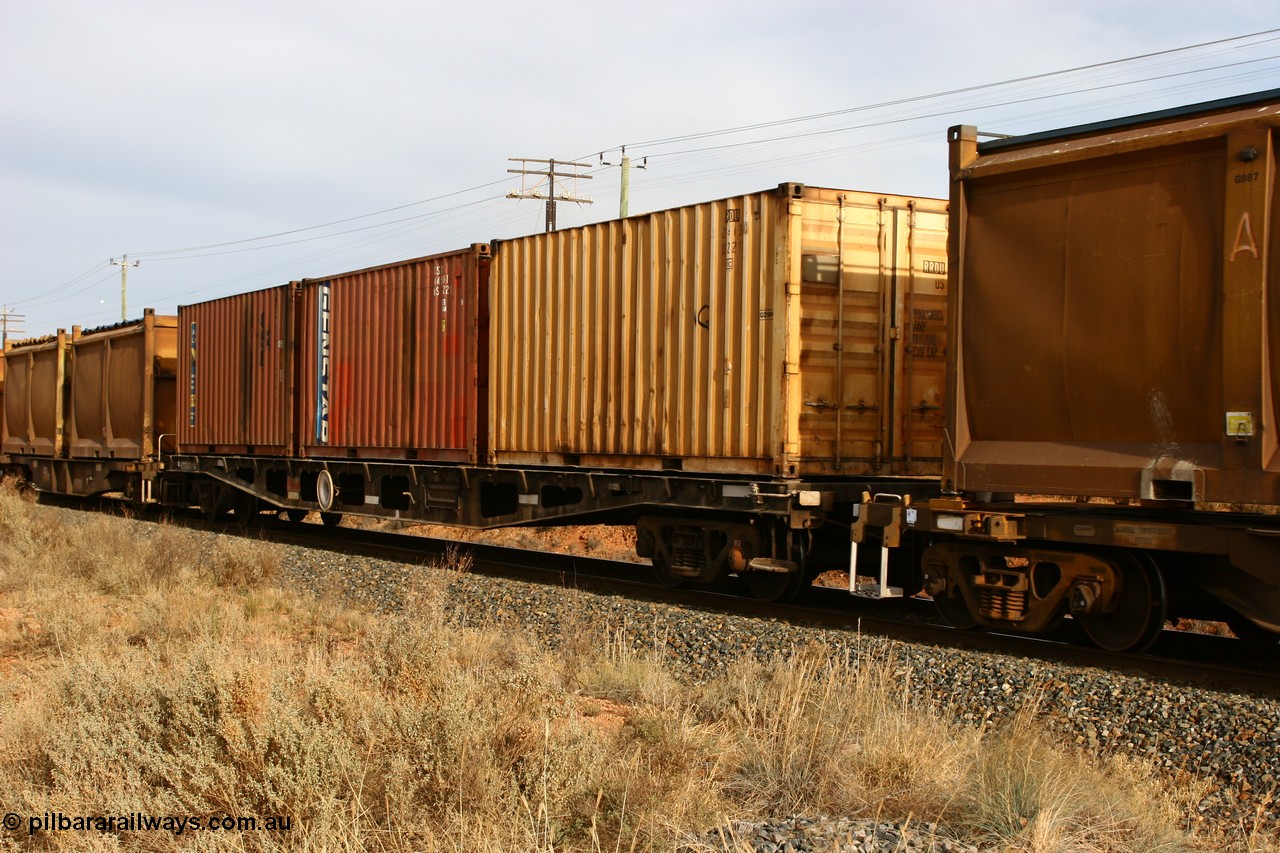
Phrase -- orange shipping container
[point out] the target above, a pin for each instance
(794, 332)
(392, 360)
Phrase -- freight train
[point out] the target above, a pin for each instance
(1053, 395)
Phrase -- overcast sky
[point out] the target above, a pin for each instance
(149, 128)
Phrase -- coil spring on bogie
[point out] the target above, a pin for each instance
(1003, 605)
(688, 558)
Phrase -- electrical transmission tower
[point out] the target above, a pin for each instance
(550, 174)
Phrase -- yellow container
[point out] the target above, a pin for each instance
(795, 332)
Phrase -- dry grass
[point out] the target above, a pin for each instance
(148, 669)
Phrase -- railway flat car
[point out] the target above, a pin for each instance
(1115, 311)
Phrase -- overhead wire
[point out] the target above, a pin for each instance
(953, 92)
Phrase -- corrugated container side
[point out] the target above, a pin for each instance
(631, 342)
(1116, 308)
(35, 392)
(689, 338)
(389, 362)
(234, 373)
(123, 393)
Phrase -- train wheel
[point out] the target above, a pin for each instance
(295, 516)
(245, 509)
(1138, 617)
(774, 586)
(955, 612)
(213, 500)
(331, 519)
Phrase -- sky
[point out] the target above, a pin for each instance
(243, 144)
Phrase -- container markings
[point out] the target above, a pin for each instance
(191, 400)
(322, 363)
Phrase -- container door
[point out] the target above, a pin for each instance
(873, 326)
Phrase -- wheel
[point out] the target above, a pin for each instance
(295, 516)
(245, 509)
(213, 500)
(774, 586)
(1138, 617)
(331, 519)
(955, 611)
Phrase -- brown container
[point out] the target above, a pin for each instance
(795, 332)
(35, 392)
(235, 363)
(1117, 308)
(123, 393)
(391, 362)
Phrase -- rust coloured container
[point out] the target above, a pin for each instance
(235, 362)
(123, 393)
(1117, 308)
(35, 391)
(795, 332)
(392, 360)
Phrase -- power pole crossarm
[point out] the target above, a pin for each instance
(550, 174)
(8, 320)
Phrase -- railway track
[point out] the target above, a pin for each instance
(1201, 660)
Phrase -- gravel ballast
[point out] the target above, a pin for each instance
(1230, 740)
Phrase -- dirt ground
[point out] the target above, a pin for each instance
(600, 541)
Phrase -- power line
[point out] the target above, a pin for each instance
(948, 110)
(951, 92)
(315, 227)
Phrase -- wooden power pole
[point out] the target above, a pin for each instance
(624, 195)
(124, 265)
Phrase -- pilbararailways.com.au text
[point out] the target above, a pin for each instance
(138, 822)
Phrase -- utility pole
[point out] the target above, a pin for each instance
(625, 195)
(7, 318)
(550, 174)
(124, 265)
